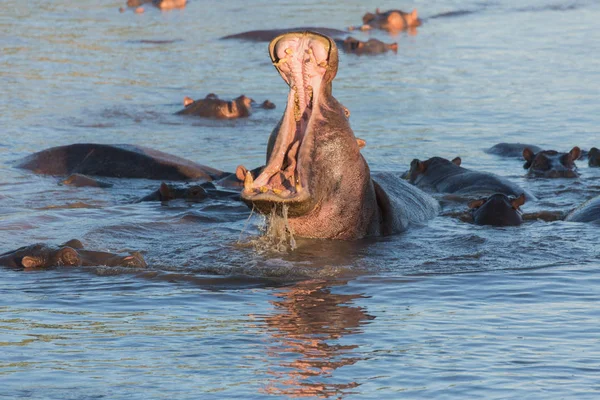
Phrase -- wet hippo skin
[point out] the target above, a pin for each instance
(443, 176)
(213, 107)
(119, 160)
(587, 212)
(512, 149)
(497, 210)
(391, 21)
(371, 46)
(269, 34)
(551, 163)
(593, 157)
(79, 180)
(314, 172)
(71, 253)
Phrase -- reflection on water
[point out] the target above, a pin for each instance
(307, 324)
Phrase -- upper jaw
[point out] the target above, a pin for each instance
(302, 60)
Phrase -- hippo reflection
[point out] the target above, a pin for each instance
(71, 253)
(315, 173)
(551, 163)
(391, 21)
(497, 210)
(444, 176)
(213, 107)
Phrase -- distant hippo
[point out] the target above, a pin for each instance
(551, 164)
(165, 193)
(71, 253)
(162, 4)
(512, 149)
(497, 210)
(79, 180)
(587, 212)
(371, 46)
(444, 176)
(119, 161)
(213, 107)
(270, 34)
(593, 157)
(391, 21)
(315, 175)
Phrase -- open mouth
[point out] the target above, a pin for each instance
(302, 60)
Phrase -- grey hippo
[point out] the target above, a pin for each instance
(587, 212)
(497, 210)
(551, 163)
(315, 172)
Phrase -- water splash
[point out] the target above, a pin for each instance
(276, 233)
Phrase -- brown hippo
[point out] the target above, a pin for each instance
(213, 107)
(371, 46)
(162, 4)
(167, 192)
(315, 174)
(444, 176)
(593, 157)
(587, 212)
(270, 34)
(511, 149)
(551, 163)
(79, 180)
(71, 253)
(497, 210)
(392, 21)
(119, 161)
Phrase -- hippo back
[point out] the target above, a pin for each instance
(587, 212)
(401, 203)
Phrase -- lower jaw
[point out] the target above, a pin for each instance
(264, 203)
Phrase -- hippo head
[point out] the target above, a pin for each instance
(551, 164)
(393, 20)
(314, 166)
(497, 210)
(418, 167)
(193, 193)
(594, 157)
(371, 46)
(42, 256)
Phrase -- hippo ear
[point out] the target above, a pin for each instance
(418, 166)
(519, 201)
(457, 161)
(31, 262)
(414, 14)
(528, 155)
(240, 172)
(574, 153)
(164, 191)
(361, 143)
(187, 101)
(476, 203)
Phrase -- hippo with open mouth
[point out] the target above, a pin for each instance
(315, 172)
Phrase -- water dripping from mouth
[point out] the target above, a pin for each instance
(277, 234)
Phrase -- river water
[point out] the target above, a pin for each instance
(446, 310)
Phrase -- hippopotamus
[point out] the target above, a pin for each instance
(587, 212)
(444, 176)
(167, 192)
(315, 175)
(551, 163)
(270, 34)
(80, 180)
(511, 149)
(371, 46)
(391, 21)
(497, 210)
(71, 253)
(593, 157)
(213, 107)
(120, 161)
(162, 4)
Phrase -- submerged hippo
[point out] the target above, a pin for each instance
(551, 163)
(497, 210)
(512, 149)
(267, 35)
(162, 4)
(315, 173)
(79, 180)
(168, 192)
(444, 176)
(391, 21)
(371, 46)
(71, 253)
(587, 212)
(213, 107)
(120, 161)
(593, 157)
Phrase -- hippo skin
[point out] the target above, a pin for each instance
(315, 173)
(444, 176)
(497, 210)
(512, 149)
(167, 192)
(593, 157)
(371, 46)
(162, 4)
(80, 180)
(551, 163)
(587, 212)
(119, 161)
(392, 21)
(213, 107)
(269, 34)
(71, 253)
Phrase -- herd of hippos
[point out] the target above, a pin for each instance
(315, 175)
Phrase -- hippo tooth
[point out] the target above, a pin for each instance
(248, 181)
(323, 64)
(277, 191)
(264, 189)
(289, 51)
